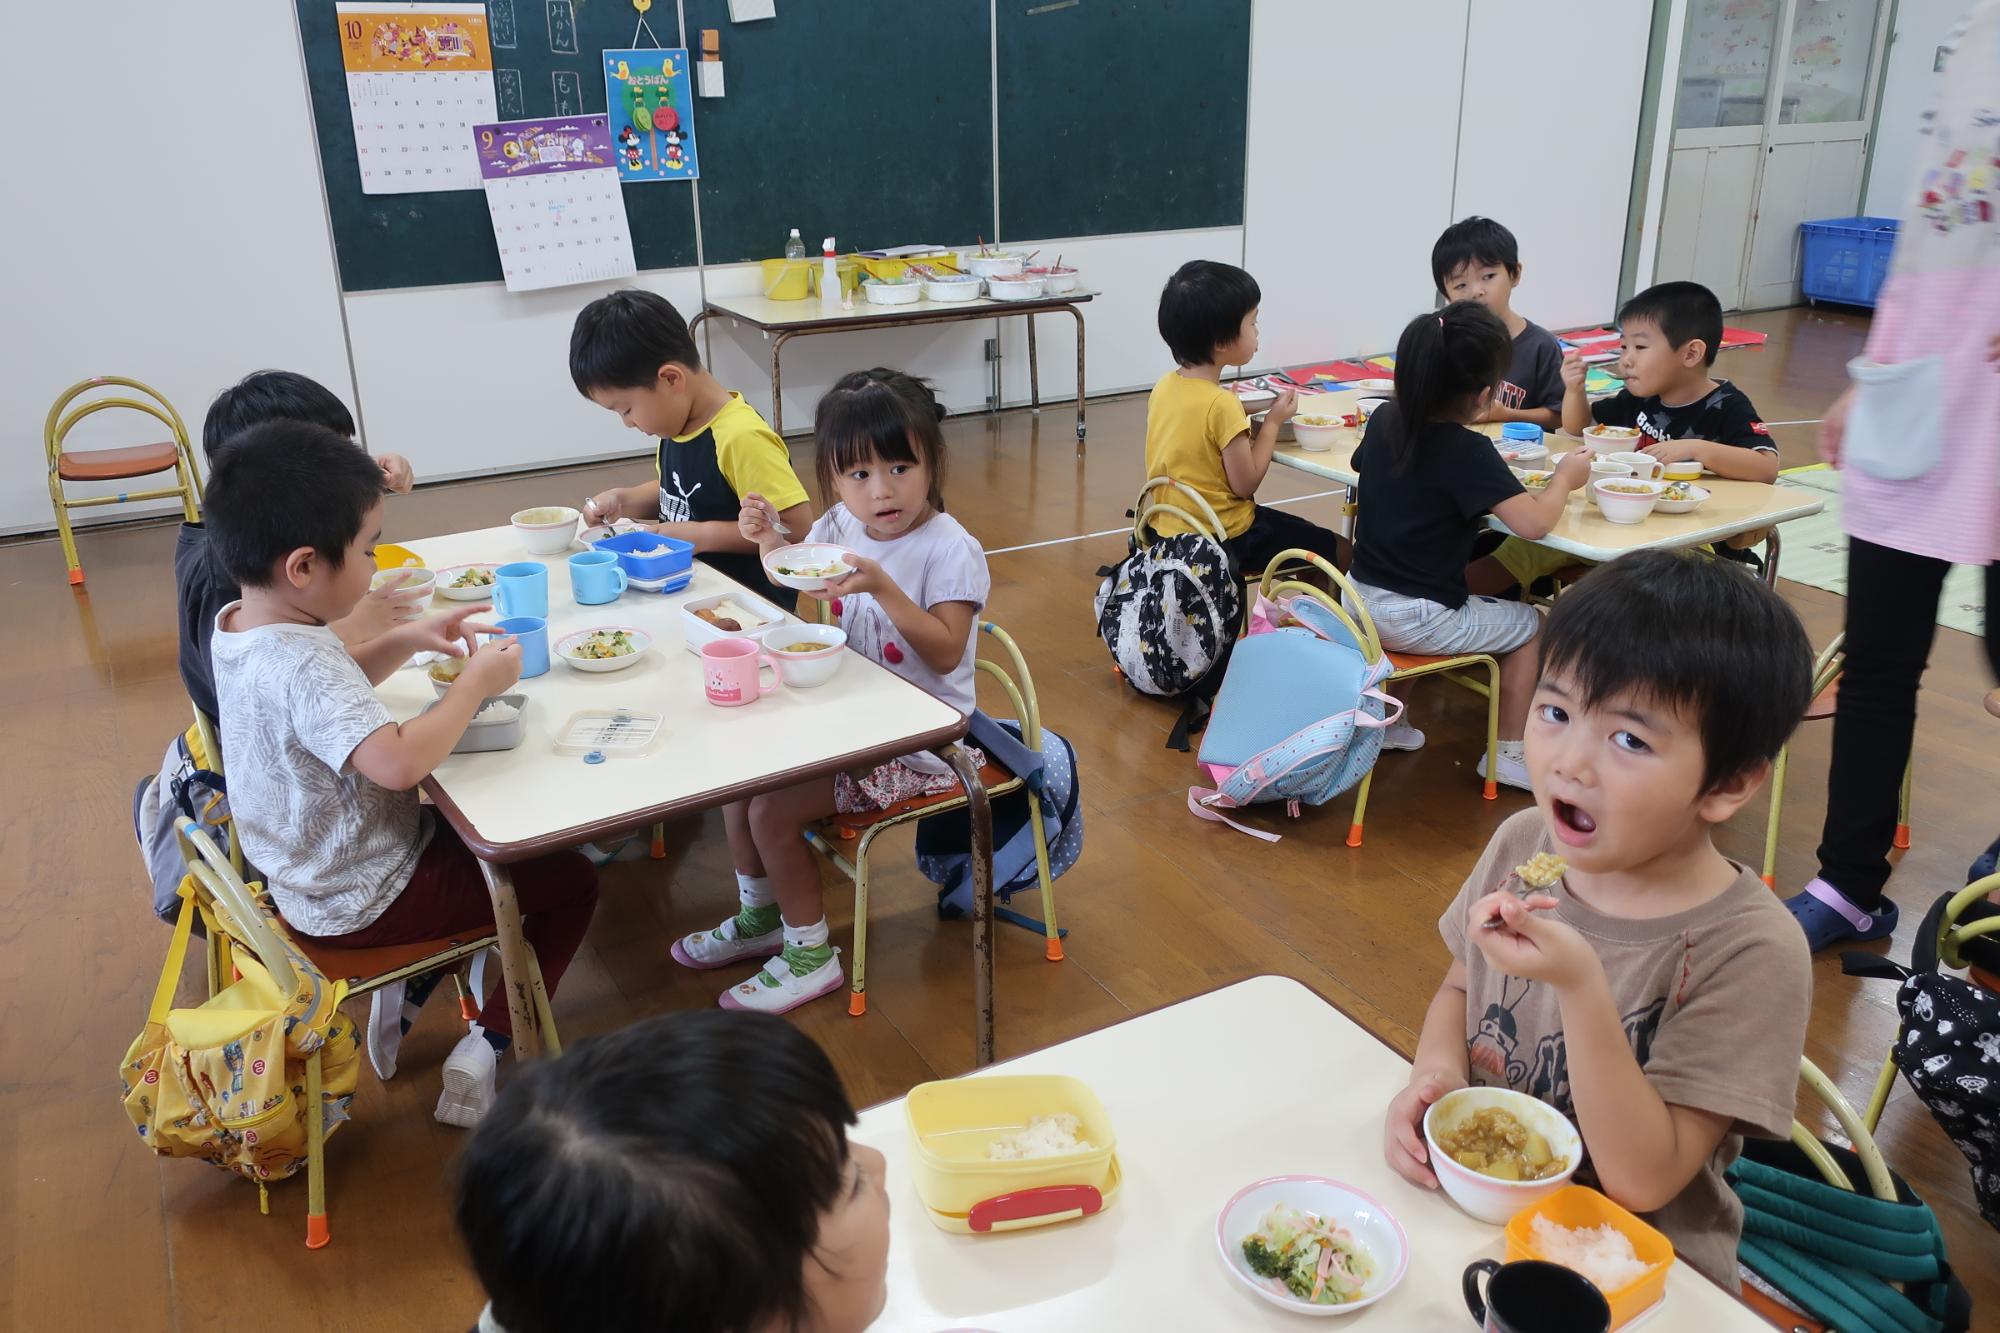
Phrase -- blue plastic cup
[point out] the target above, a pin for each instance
(532, 632)
(522, 589)
(595, 577)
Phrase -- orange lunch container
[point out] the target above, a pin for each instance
(1577, 1206)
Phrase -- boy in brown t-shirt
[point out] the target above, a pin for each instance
(1658, 994)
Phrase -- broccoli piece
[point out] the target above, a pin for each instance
(1303, 1273)
(1263, 1261)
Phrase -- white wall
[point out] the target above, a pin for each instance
(1907, 92)
(184, 258)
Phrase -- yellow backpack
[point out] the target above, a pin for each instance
(226, 1081)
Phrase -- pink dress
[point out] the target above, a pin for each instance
(1942, 299)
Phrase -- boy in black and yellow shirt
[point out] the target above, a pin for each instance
(630, 352)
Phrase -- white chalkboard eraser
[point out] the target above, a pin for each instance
(744, 11)
(708, 78)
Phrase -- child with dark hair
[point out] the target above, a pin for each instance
(1426, 480)
(1197, 431)
(1478, 260)
(1657, 993)
(690, 1172)
(911, 604)
(322, 778)
(201, 587)
(631, 353)
(1672, 332)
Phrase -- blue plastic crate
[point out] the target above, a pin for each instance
(1846, 259)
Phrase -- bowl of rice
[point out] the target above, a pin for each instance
(1316, 431)
(1582, 1230)
(1003, 1152)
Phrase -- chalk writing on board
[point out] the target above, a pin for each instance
(562, 28)
(507, 91)
(500, 23)
(569, 92)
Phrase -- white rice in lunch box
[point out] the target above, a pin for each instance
(498, 710)
(1601, 1253)
(1044, 1136)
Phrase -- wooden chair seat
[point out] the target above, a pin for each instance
(356, 965)
(1979, 976)
(1823, 703)
(992, 776)
(138, 460)
(1418, 661)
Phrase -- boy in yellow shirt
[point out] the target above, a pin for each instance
(1197, 431)
(630, 352)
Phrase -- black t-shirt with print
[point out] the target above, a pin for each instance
(1534, 371)
(1415, 528)
(1725, 415)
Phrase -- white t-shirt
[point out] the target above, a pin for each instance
(937, 562)
(334, 847)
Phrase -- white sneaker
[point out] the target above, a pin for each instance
(1402, 736)
(778, 990)
(1509, 772)
(470, 1072)
(385, 1029)
(722, 946)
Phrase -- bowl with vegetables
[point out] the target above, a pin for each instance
(1312, 1245)
(810, 654)
(1496, 1151)
(466, 583)
(604, 647)
(1681, 497)
(807, 566)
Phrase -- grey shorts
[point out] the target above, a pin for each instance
(1482, 625)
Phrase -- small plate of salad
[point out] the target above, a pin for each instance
(1312, 1245)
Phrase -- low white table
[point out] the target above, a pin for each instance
(520, 803)
(1262, 1078)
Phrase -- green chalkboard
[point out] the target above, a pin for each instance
(870, 120)
(416, 240)
(1121, 115)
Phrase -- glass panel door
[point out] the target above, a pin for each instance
(1726, 63)
(1827, 59)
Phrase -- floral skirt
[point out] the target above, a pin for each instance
(882, 786)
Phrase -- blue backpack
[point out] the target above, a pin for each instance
(944, 842)
(1299, 718)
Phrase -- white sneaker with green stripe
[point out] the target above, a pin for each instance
(725, 945)
(777, 989)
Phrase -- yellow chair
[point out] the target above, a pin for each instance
(1462, 670)
(1825, 693)
(997, 781)
(174, 455)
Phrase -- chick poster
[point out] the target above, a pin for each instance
(651, 100)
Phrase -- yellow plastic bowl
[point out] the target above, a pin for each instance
(388, 555)
(951, 1124)
(787, 279)
(1576, 1206)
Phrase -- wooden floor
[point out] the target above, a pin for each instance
(95, 1233)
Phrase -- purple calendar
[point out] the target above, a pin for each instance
(553, 191)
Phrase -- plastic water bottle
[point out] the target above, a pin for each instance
(829, 276)
(795, 249)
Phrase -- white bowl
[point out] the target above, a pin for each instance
(1315, 439)
(1611, 438)
(414, 580)
(803, 671)
(1482, 1196)
(1366, 407)
(1373, 1227)
(1541, 477)
(1013, 289)
(1055, 280)
(474, 593)
(546, 529)
(948, 290)
(442, 685)
(1374, 388)
(1622, 506)
(990, 264)
(569, 641)
(900, 292)
(1696, 497)
(811, 555)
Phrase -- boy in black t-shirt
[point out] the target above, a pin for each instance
(1671, 334)
(1478, 260)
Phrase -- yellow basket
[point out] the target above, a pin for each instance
(851, 274)
(388, 555)
(1576, 1206)
(787, 279)
(951, 1124)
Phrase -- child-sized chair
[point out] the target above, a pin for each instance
(139, 460)
(1826, 689)
(1462, 669)
(998, 779)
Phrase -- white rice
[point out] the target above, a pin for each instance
(1044, 1136)
(497, 710)
(1601, 1253)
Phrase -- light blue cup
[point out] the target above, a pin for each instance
(595, 578)
(522, 589)
(532, 632)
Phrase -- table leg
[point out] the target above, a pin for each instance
(1034, 369)
(519, 980)
(778, 386)
(1771, 557)
(1078, 316)
(982, 902)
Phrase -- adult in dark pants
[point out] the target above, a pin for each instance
(1918, 438)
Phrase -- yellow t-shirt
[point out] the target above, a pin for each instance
(1189, 422)
(705, 474)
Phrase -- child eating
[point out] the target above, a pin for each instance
(1479, 260)
(1657, 993)
(692, 1172)
(630, 353)
(321, 777)
(912, 604)
(1425, 480)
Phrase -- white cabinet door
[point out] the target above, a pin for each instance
(1817, 177)
(1706, 218)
